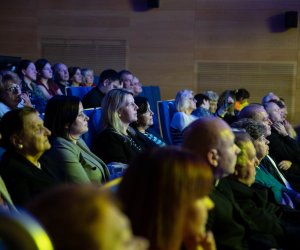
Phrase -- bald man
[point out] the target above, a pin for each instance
(212, 139)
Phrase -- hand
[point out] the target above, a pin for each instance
(26, 99)
(290, 130)
(201, 243)
(279, 127)
(284, 165)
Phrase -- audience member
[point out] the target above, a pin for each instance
(75, 76)
(126, 78)
(225, 109)
(202, 106)
(44, 79)
(185, 103)
(82, 217)
(213, 100)
(25, 139)
(10, 93)
(116, 142)
(212, 139)
(87, 77)
(61, 76)
(269, 97)
(108, 80)
(144, 122)
(242, 97)
(137, 86)
(165, 195)
(28, 74)
(75, 163)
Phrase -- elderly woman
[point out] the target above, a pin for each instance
(87, 77)
(116, 142)
(10, 93)
(185, 103)
(75, 163)
(25, 139)
(143, 123)
(28, 74)
(165, 195)
(83, 217)
(44, 79)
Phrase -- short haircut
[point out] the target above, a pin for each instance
(182, 99)
(213, 96)
(13, 123)
(200, 98)
(61, 112)
(108, 74)
(242, 94)
(253, 128)
(122, 73)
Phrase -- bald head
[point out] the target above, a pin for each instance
(212, 139)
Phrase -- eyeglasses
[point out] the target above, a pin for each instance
(13, 89)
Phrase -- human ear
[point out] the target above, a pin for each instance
(213, 157)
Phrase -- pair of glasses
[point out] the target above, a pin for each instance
(14, 89)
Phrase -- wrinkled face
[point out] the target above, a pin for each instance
(261, 147)
(227, 151)
(77, 77)
(12, 95)
(30, 72)
(248, 163)
(89, 77)
(116, 233)
(46, 72)
(196, 218)
(137, 86)
(128, 82)
(80, 125)
(128, 113)
(146, 119)
(263, 117)
(274, 112)
(63, 73)
(213, 106)
(34, 136)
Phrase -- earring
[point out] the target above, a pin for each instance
(20, 146)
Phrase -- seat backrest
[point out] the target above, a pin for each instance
(78, 91)
(166, 110)
(94, 115)
(21, 231)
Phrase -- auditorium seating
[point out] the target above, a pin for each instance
(78, 91)
(94, 115)
(166, 110)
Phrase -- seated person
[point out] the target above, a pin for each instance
(10, 93)
(87, 77)
(226, 105)
(202, 106)
(213, 100)
(61, 76)
(116, 142)
(75, 163)
(164, 193)
(242, 96)
(143, 123)
(108, 80)
(185, 104)
(126, 79)
(28, 74)
(270, 217)
(137, 86)
(75, 76)
(25, 139)
(83, 217)
(44, 79)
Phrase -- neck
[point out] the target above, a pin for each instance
(188, 111)
(142, 129)
(44, 81)
(27, 81)
(34, 159)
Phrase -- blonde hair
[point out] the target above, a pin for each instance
(182, 100)
(113, 101)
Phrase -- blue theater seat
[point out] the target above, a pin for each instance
(166, 110)
(94, 115)
(78, 91)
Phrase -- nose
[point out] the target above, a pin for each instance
(267, 141)
(208, 203)
(47, 131)
(237, 150)
(256, 162)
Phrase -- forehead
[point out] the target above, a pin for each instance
(62, 67)
(128, 99)
(32, 120)
(226, 136)
(31, 66)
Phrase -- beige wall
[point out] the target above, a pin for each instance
(164, 44)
